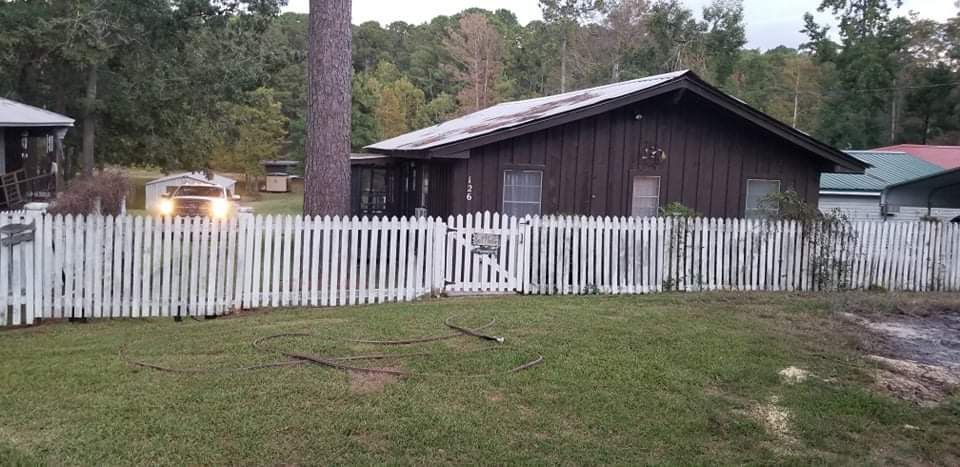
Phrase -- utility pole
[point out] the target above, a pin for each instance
(893, 117)
(796, 97)
(563, 64)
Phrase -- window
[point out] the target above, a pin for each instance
(646, 196)
(373, 191)
(757, 191)
(522, 192)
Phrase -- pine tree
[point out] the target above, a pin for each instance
(327, 178)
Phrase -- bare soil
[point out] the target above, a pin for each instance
(915, 342)
(367, 383)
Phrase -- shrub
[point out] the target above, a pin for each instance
(80, 197)
(790, 206)
(676, 209)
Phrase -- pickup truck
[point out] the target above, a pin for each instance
(198, 201)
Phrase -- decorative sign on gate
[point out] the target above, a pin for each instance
(485, 244)
(14, 234)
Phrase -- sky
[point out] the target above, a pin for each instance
(769, 22)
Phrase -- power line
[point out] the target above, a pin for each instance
(833, 93)
(897, 88)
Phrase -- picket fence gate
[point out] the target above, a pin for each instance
(112, 267)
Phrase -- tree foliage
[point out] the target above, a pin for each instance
(249, 133)
(175, 77)
(476, 49)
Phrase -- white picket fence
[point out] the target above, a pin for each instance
(578, 255)
(106, 267)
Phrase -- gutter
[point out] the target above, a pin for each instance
(851, 193)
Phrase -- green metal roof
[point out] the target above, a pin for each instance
(888, 168)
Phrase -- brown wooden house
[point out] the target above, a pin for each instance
(621, 149)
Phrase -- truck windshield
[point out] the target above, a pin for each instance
(205, 191)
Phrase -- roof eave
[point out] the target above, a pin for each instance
(945, 173)
(36, 125)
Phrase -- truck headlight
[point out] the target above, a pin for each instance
(166, 207)
(219, 208)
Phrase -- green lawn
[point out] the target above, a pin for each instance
(673, 379)
(277, 203)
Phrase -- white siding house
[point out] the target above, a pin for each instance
(858, 196)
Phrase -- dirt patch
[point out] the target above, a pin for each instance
(915, 341)
(495, 396)
(368, 383)
(775, 420)
(773, 417)
(712, 391)
(372, 441)
(794, 375)
(931, 338)
(921, 384)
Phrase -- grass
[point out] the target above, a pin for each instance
(675, 379)
(278, 203)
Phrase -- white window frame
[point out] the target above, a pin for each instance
(503, 193)
(633, 180)
(746, 197)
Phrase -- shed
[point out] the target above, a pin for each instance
(278, 175)
(31, 149)
(617, 150)
(155, 188)
(859, 196)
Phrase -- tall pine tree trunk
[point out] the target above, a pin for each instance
(90, 121)
(327, 181)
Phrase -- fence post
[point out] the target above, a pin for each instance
(439, 233)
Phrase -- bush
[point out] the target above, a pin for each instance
(676, 209)
(80, 197)
(790, 206)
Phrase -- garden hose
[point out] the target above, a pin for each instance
(299, 359)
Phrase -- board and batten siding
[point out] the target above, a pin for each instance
(588, 165)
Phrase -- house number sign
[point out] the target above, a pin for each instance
(469, 188)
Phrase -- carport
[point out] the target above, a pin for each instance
(940, 190)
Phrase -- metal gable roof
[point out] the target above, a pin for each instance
(888, 168)
(513, 114)
(940, 190)
(453, 139)
(16, 114)
(947, 157)
(196, 176)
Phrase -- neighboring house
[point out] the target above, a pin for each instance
(947, 157)
(859, 196)
(939, 193)
(621, 149)
(155, 188)
(31, 147)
